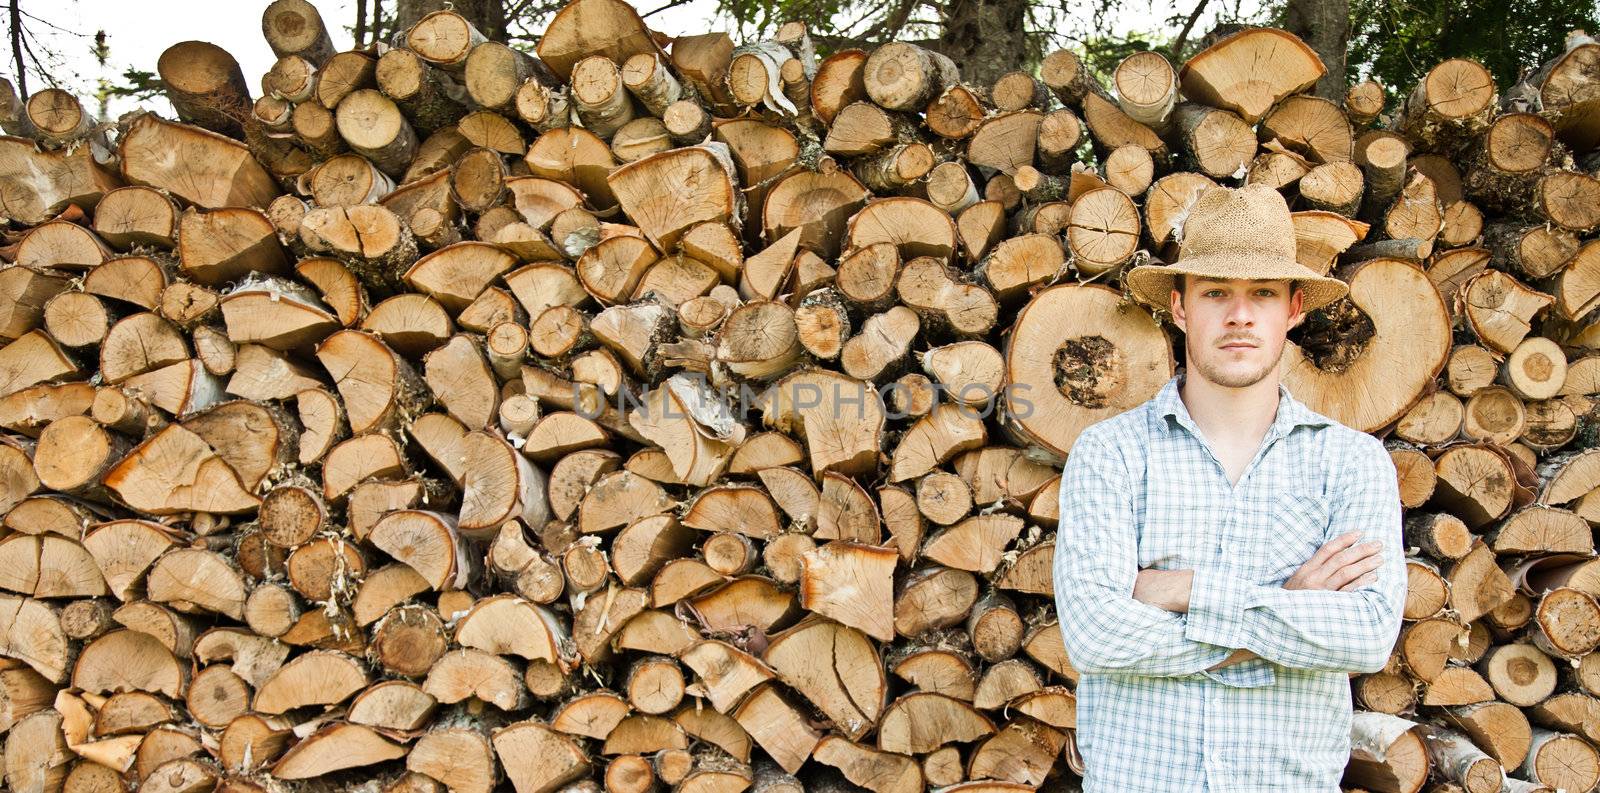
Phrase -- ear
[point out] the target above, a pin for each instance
(1178, 317)
(1297, 300)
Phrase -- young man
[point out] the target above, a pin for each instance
(1226, 556)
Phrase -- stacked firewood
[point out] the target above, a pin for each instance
(655, 413)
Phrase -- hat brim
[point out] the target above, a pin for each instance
(1152, 284)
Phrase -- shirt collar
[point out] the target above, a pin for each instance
(1291, 412)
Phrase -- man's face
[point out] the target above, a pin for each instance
(1234, 329)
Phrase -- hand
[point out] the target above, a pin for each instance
(1164, 589)
(1339, 566)
(1237, 657)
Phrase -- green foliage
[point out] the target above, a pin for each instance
(1085, 26)
(766, 15)
(1104, 48)
(1398, 41)
(1103, 53)
(136, 84)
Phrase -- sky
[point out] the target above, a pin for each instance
(138, 30)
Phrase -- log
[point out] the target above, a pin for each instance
(206, 86)
(1449, 105)
(57, 118)
(1213, 142)
(1147, 88)
(900, 76)
(294, 27)
(49, 181)
(372, 125)
(1213, 76)
(1387, 753)
(209, 170)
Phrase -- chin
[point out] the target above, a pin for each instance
(1241, 376)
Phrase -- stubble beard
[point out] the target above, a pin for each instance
(1207, 366)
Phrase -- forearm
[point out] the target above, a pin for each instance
(1329, 621)
(1169, 590)
(1304, 629)
(1106, 633)
(1105, 629)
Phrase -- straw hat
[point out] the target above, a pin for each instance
(1243, 233)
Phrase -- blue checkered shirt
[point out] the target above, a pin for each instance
(1143, 490)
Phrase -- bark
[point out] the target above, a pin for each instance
(1325, 25)
(488, 16)
(985, 38)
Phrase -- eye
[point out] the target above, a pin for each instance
(1213, 293)
(1267, 292)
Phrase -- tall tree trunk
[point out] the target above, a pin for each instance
(985, 37)
(488, 16)
(1325, 25)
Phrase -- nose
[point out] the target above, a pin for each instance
(1240, 313)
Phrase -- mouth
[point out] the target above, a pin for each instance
(1238, 346)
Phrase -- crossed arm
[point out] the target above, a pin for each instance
(1104, 628)
(1340, 612)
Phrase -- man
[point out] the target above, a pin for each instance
(1226, 556)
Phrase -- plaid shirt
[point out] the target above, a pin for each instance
(1143, 490)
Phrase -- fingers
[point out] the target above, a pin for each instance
(1310, 575)
(1340, 542)
(1359, 582)
(1355, 553)
(1353, 571)
(1342, 564)
(1336, 545)
(1237, 656)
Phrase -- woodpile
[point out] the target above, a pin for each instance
(646, 413)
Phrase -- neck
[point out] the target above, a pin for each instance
(1224, 413)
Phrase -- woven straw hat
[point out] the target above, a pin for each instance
(1243, 233)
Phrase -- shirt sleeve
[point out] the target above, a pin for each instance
(1096, 560)
(1350, 631)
